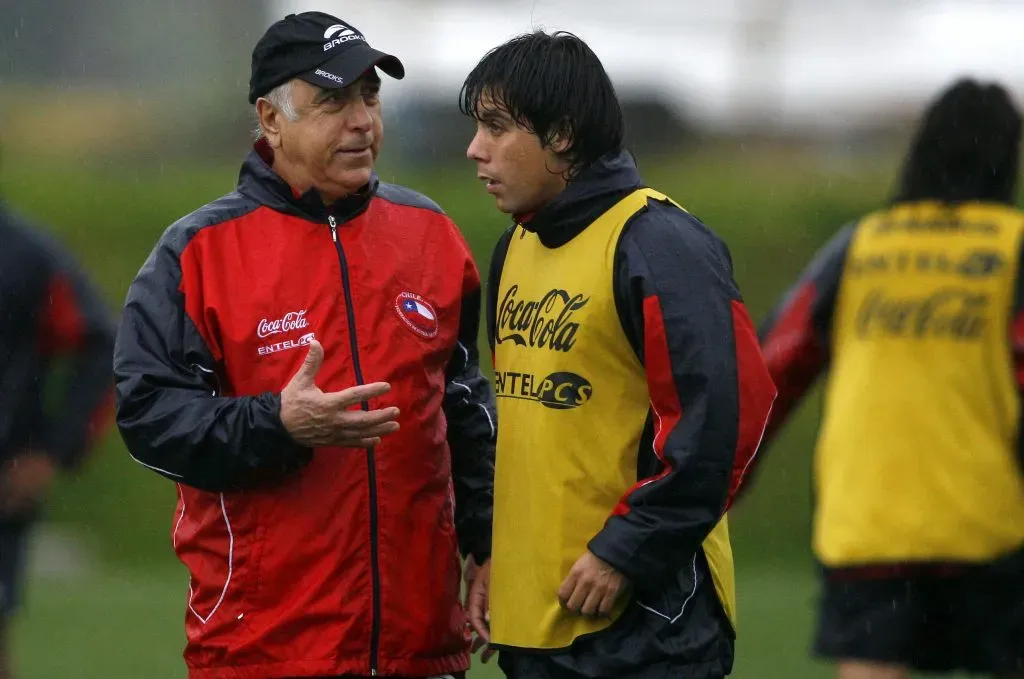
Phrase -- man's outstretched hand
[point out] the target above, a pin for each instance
(592, 587)
(314, 418)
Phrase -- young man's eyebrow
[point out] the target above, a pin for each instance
(491, 115)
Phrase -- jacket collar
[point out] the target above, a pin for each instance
(258, 180)
(584, 199)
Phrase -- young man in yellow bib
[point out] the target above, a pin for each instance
(631, 389)
(919, 484)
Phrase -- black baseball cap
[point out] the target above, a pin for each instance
(317, 47)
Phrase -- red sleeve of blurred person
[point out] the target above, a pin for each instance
(795, 338)
(68, 329)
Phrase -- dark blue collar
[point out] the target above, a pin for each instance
(589, 195)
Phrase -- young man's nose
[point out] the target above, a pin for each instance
(475, 150)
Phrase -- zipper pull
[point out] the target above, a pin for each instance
(334, 227)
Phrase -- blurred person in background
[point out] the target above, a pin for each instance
(917, 312)
(631, 388)
(300, 358)
(55, 388)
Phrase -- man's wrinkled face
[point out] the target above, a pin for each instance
(337, 135)
(520, 173)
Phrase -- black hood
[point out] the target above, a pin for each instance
(588, 196)
(258, 180)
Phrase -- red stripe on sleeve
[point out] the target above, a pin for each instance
(61, 323)
(793, 353)
(101, 420)
(661, 386)
(756, 394)
(1017, 337)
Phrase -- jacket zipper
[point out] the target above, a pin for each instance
(371, 467)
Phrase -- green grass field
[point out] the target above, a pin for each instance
(121, 625)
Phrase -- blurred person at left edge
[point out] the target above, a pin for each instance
(52, 320)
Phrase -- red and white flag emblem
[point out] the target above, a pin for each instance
(417, 313)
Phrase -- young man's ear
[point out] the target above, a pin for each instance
(561, 142)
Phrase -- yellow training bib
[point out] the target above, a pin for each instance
(572, 403)
(917, 456)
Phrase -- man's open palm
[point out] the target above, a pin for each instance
(315, 418)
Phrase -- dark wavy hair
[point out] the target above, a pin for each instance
(556, 87)
(966, 148)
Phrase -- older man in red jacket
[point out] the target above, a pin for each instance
(300, 357)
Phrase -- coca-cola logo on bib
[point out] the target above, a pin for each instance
(293, 320)
(546, 323)
(950, 313)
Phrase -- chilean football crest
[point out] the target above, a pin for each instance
(417, 313)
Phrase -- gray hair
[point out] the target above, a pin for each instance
(281, 98)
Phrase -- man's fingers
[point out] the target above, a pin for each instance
(310, 365)
(360, 393)
(478, 610)
(592, 603)
(565, 591)
(480, 628)
(579, 595)
(359, 433)
(608, 602)
(360, 419)
(360, 438)
(478, 623)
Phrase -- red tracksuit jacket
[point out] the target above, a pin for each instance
(313, 562)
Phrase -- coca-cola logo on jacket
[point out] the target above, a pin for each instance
(293, 320)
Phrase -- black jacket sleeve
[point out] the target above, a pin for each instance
(796, 335)
(709, 389)
(469, 407)
(494, 282)
(169, 406)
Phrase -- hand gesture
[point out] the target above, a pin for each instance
(592, 587)
(315, 418)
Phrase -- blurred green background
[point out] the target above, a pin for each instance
(118, 610)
